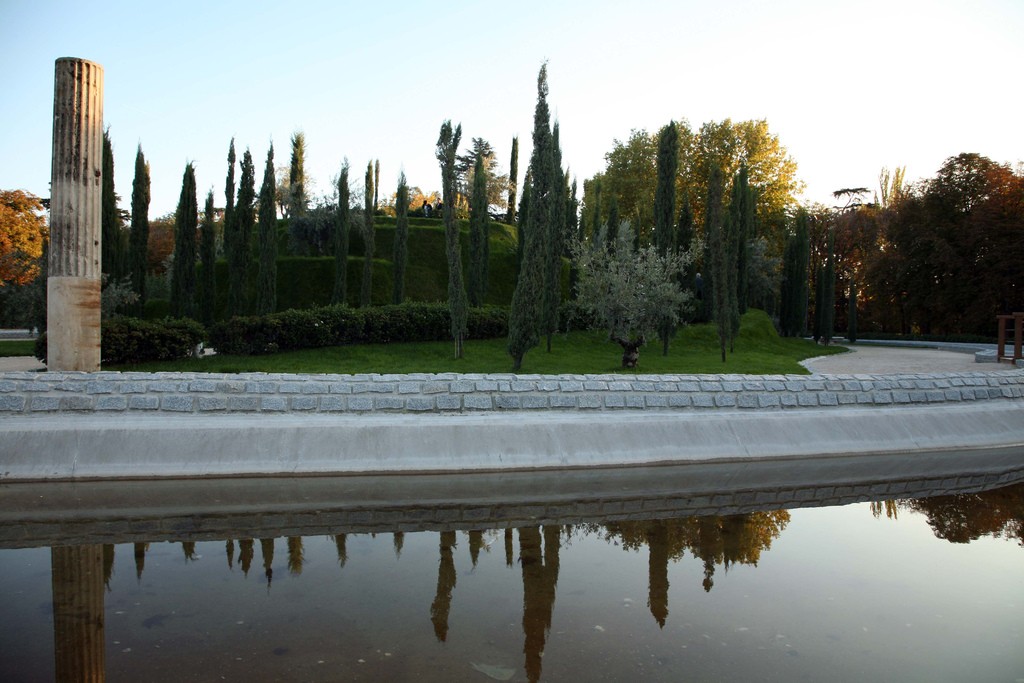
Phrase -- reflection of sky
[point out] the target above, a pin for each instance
(840, 594)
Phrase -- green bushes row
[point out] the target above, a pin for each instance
(131, 340)
(339, 325)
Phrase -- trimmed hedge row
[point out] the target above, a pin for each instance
(338, 325)
(131, 340)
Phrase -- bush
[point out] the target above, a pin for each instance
(131, 340)
(339, 325)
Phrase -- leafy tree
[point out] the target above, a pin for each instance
(573, 232)
(298, 200)
(183, 275)
(138, 238)
(612, 231)
(340, 239)
(365, 292)
(465, 168)
(523, 332)
(793, 297)
(400, 259)
(208, 259)
(23, 233)
(447, 145)
(266, 290)
(513, 180)
(479, 223)
(685, 239)
(851, 316)
(630, 292)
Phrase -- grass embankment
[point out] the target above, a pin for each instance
(17, 347)
(759, 350)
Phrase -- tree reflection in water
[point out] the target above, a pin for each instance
(716, 541)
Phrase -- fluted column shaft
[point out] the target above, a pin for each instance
(74, 279)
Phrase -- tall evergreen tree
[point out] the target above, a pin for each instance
(793, 297)
(112, 238)
(208, 260)
(231, 234)
(523, 332)
(574, 230)
(553, 244)
(447, 148)
(665, 211)
(376, 184)
(266, 290)
(298, 200)
(851, 319)
(829, 288)
(513, 182)
(743, 210)
(716, 231)
(366, 290)
(476, 284)
(521, 220)
(244, 220)
(138, 239)
(665, 191)
(400, 259)
(340, 239)
(611, 237)
(183, 273)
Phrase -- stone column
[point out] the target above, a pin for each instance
(74, 280)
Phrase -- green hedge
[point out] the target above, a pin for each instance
(131, 340)
(338, 325)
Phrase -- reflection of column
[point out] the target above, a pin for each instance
(657, 571)
(77, 576)
(445, 583)
(509, 553)
(73, 282)
(540, 577)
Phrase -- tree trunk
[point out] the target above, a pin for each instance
(630, 350)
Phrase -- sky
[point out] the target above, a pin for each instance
(848, 88)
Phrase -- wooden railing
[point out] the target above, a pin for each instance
(1018, 328)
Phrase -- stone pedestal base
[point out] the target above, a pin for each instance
(73, 324)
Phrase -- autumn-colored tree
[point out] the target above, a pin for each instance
(23, 233)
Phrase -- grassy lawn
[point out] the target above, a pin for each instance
(17, 347)
(694, 351)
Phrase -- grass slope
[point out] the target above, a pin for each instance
(759, 350)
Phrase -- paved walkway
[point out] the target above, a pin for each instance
(886, 360)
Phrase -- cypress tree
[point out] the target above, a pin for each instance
(553, 244)
(524, 316)
(793, 304)
(400, 259)
(231, 234)
(476, 284)
(596, 220)
(297, 199)
(574, 228)
(376, 184)
(829, 302)
(244, 220)
(513, 176)
(447, 147)
(521, 221)
(138, 239)
(716, 231)
(851, 320)
(266, 290)
(743, 213)
(183, 273)
(111, 249)
(665, 209)
(611, 238)
(340, 239)
(366, 291)
(665, 192)
(208, 259)
(819, 303)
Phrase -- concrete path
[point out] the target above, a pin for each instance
(886, 360)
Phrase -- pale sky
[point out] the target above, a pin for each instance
(847, 87)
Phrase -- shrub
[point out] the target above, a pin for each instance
(339, 325)
(131, 340)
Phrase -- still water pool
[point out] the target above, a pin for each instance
(928, 589)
